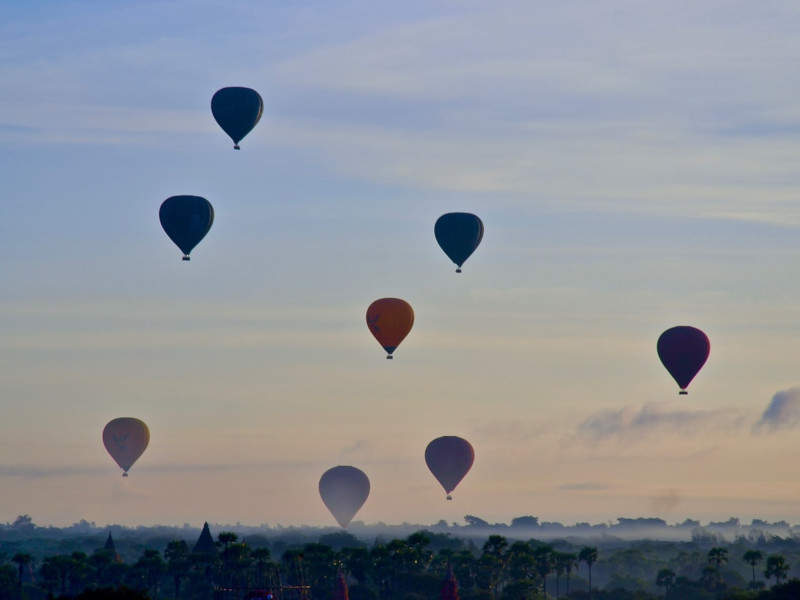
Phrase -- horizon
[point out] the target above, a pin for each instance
(634, 167)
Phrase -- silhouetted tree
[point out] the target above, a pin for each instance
(22, 559)
(150, 568)
(261, 559)
(666, 579)
(473, 521)
(55, 571)
(8, 582)
(718, 556)
(106, 568)
(178, 563)
(588, 555)
(752, 558)
(543, 556)
(776, 567)
(709, 578)
(570, 561)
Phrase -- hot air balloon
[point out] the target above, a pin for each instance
(237, 110)
(458, 234)
(449, 458)
(390, 320)
(683, 350)
(186, 220)
(344, 490)
(126, 439)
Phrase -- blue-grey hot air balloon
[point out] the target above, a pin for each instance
(458, 234)
(186, 220)
(237, 110)
(344, 489)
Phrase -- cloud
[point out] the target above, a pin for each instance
(783, 412)
(585, 486)
(631, 424)
(38, 471)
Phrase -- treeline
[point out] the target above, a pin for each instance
(411, 568)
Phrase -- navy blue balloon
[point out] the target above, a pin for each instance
(237, 110)
(458, 234)
(186, 220)
(683, 351)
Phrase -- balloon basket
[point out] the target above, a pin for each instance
(449, 497)
(186, 257)
(683, 393)
(389, 357)
(236, 147)
(124, 474)
(458, 270)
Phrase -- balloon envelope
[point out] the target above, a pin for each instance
(126, 439)
(344, 490)
(458, 234)
(390, 320)
(683, 351)
(237, 110)
(186, 220)
(449, 458)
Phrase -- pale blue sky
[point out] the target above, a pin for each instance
(634, 164)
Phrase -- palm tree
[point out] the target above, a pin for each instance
(150, 567)
(570, 562)
(752, 558)
(261, 558)
(493, 562)
(543, 555)
(560, 567)
(178, 564)
(22, 559)
(717, 556)
(776, 567)
(588, 555)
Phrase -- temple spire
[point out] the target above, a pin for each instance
(449, 585)
(340, 591)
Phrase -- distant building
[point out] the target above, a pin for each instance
(111, 548)
(110, 544)
(205, 543)
(449, 585)
(340, 591)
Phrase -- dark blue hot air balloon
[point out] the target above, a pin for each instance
(186, 220)
(458, 235)
(683, 350)
(237, 110)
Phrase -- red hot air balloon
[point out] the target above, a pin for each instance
(126, 439)
(683, 350)
(344, 490)
(390, 320)
(449, 458)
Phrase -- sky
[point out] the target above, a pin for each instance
(635, 165)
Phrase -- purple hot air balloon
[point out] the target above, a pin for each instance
(449, 458)
(683, 350)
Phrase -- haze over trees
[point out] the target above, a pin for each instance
(185, 563)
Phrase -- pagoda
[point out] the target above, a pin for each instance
(449, 585)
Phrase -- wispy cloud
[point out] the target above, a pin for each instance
(585, 486)
(783, 412)
(633, 424)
